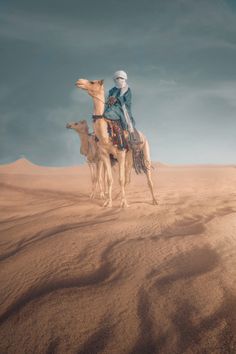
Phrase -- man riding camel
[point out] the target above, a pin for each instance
(118, 106)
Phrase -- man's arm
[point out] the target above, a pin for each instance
(112, 98)
(126, 98)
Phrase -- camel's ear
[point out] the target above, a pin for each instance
(101, 82)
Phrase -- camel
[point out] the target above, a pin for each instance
(89, 149)
(95, 89)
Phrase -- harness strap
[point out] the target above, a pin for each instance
(97, 116)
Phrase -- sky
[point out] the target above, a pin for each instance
(180, 57)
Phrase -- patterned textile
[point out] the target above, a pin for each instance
(117, 135)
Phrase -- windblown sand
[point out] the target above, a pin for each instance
(79, 278)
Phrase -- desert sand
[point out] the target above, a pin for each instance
(80, 278)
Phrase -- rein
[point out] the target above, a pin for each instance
(99, 116)
(97, 98)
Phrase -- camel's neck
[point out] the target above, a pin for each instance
(84, 143)
(98, 103)
(100, 125)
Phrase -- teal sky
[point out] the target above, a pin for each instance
(180, 58)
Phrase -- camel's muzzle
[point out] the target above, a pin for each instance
(79, 84)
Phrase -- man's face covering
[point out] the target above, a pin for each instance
(120, 82)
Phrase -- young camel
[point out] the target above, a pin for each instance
(95, 89)
(89, 148)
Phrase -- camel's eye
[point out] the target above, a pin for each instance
(76, 123)
(91, 82)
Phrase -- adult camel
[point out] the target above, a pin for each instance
(95, 89)
(90, 150)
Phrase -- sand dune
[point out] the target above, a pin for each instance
(24, 166)
(79, 278)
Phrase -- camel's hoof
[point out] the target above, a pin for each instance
(155, 202)
(102, 196)
(107, 204)
(124, 204)
(127, 182)
(92, 196)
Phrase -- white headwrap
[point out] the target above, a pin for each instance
(121, 84)
(120, 73)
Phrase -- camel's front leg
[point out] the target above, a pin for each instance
(121, 160)
(99, 178)
(93, 179)
(107, 166)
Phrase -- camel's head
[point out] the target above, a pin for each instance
(92, 87)
(80, 127)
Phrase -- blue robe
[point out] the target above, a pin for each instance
(115, 112)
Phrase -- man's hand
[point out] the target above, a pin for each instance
(112, 100)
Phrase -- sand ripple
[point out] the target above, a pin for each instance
(77, 278)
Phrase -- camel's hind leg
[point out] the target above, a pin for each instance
(147, 159)
(105, 180)
(128, 167)
(121, 160)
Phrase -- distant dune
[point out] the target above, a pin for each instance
(24, 166)
(79, 278)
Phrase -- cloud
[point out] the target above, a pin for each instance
(180, 57)
(176, 23)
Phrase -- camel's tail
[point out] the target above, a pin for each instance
(139, 162)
